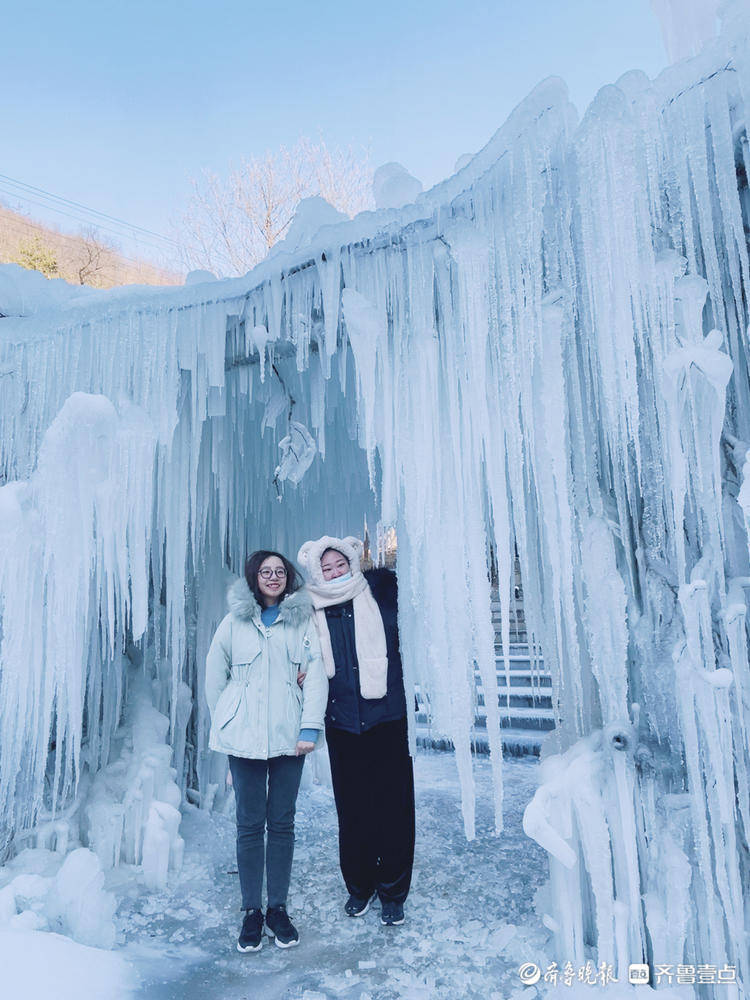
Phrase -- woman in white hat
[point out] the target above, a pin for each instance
(365, 723)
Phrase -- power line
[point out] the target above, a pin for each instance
(114, 232)
(85, 208)
(77, 218)
(16, 222)
(21, 226)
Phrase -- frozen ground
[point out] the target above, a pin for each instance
(470, 918)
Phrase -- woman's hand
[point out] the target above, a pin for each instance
(301, 674)
(303, 747)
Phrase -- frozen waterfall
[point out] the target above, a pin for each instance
(546, 357)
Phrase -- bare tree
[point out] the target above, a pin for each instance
(232, 223)
(93, 257)
(86, 258)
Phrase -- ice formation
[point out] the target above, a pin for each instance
(686, 24)
(309, 218)
(393, 186)
(544, 357)
(44, 892)
(23, 292)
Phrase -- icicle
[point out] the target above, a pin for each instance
(329, 269)
(365, 330)
(606, 619)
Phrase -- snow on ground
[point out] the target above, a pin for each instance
(42, 966)
(470, 919)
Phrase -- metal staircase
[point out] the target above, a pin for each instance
(526, 712)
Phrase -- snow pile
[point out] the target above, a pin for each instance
(199, 277)
(393, 186)
(24, 292)
(46, 965)
(309, 218)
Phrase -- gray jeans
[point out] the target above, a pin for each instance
(265, 793)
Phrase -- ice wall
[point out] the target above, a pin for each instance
(546, 354)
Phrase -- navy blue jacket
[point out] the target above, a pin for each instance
(347, 709)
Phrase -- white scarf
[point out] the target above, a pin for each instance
(369, 632)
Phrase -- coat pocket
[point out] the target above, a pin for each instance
(228, 705)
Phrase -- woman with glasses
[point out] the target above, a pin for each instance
(266, 723)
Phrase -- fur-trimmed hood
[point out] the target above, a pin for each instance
(295, 608)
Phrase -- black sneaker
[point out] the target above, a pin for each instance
(251, 935)
(392, 913)
(356, 906)
(279, 925)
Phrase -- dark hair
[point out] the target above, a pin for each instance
(253, 564)
(338, 552)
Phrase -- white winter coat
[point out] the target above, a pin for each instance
(257, 707)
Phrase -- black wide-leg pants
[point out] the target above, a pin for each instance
(373, 785)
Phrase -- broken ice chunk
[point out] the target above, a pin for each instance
(297, 452)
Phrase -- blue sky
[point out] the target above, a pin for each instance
(117, 105)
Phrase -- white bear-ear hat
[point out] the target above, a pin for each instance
(311, 553)
(369, 631)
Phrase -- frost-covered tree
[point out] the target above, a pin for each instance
(232, 222)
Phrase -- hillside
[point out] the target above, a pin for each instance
(84, 259)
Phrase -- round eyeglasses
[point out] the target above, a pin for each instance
(269, 574)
